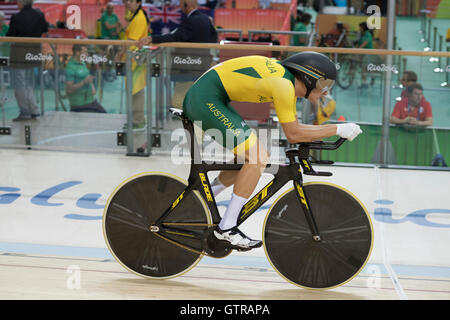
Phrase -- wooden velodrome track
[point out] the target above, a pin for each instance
(25, 276)
(51, 248)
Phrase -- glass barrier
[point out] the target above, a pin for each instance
(74, 97)
(419, 122)
(80, 98)
(359, 96)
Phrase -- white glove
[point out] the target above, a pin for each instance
(348, 131)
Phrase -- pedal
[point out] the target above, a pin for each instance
(244, 250)
(214, 247)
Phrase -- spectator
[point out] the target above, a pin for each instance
(365, 41)
(212, 5)
(79, 83)
(61, 25)
(28, 22)
(110, 24)
(4, 46)
(3, 26)
(408, 78)
(366, 37)
(337, 37)
(196, 27)
(137, 30)
(302, 26)
(322, 110)
(413, 109)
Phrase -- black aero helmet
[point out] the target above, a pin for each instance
(315, 70)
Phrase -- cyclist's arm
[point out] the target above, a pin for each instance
(283, 95)
(284, 103)
(297, 132)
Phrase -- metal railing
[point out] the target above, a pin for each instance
(158, 83)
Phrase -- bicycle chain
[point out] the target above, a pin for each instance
(203, 253)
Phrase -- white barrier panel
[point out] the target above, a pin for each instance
(57, 198)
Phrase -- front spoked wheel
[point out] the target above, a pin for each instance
(130, 214)
(346, 237)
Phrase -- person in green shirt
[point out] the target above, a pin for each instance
(366, 39)
(79, 83)
(110, 24)
(4, 46)
(365, 42)
(3, 27)
(302, 26)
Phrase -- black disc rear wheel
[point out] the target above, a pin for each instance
(346, 237)
(135, 206)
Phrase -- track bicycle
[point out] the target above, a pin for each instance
(315, 235)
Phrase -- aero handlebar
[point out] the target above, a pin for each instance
(322, 145)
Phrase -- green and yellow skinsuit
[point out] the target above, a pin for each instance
(245, 79)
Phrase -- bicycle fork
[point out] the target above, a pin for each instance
(307, 211)
(302, 154)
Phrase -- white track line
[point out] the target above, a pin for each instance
(386, 263)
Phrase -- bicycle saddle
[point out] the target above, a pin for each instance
(177, 112)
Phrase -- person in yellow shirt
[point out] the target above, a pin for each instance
(137, 29)
(322, 110)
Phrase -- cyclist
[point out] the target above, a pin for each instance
(258, 79)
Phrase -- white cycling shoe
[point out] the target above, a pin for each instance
(236, 239)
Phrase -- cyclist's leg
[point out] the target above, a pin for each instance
(258, 162)
(215, 114)
(207, 102)
(246, 147)
(246, 179)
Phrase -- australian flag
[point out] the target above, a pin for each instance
(164, 19)
(9, 9)
(167, 18)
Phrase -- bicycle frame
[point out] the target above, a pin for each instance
(198, 180)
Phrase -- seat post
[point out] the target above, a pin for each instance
(193, 145)
(189, 127)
